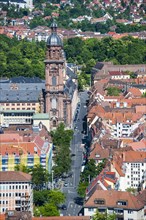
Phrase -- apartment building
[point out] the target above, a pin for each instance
(129, 167)
(15, 191)
(125, 205)
(14, 150)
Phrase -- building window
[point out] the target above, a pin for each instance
(99, 201)
(121, 203)
(90, 209)
(54, 103)
(53, 81)
(130, 211)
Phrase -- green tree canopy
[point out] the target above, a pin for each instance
(103, 216)
(48, 196)
(61, 139)
(40, 177)
(113, 91)
(47, 210)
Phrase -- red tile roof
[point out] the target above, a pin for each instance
(137, 146)
(16, 176)
(10, 138)
(135, 92)
(111, 198)
(2, 217)
(98, 153)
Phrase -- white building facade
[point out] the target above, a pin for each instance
(15, 191)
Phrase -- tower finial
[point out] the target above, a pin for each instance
(54, 26)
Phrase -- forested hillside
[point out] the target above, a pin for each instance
(27, 58)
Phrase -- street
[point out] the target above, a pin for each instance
(70, 189)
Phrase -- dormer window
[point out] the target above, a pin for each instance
(122, 203)
(99, 201)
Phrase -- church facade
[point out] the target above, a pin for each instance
(61, 96)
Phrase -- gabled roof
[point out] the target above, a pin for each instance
(135, 92)
(98, 153)
(111, 198)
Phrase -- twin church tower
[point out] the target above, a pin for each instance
(60, 97)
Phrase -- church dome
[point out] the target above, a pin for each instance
(54, 39)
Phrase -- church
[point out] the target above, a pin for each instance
(61, 94)
(31, 100)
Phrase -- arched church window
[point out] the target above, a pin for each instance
(54, 103)
(53, 81)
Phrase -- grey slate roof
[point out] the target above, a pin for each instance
(71, 73)
(28, 89)
(22, 79)
(69, 88)
(19, 96)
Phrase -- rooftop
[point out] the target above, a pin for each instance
(112, 199)
(14, 176)
(41, 116)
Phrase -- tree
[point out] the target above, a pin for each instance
(48, 196)
(103, 216)
(40, 197)
(61, 139)
(40, 177)
(144, 95)
(90, 172)
(47, 210)
(113, 91)
(82, 188)
(131, 190)
(22, 168)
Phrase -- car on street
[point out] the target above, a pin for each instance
(64, 207)
(66, 184)
(79, 200)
